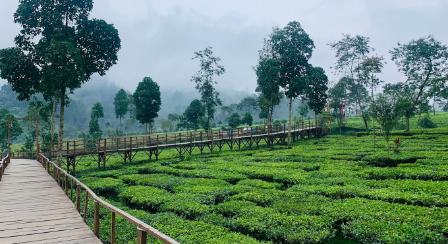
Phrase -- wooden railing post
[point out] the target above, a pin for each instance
(71, 188)
(96, 219)
(85, 207)
(78, 198)
(141, 236)
(66, 185)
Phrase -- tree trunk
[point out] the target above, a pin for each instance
(61, 127)
(53, 117)
(289, 122)
(419, 117)
(373, 119)
(434, 105)
(407, 123)
(146, 128)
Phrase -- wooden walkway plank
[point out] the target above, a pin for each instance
(34, 209)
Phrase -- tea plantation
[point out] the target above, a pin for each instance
(335, 189)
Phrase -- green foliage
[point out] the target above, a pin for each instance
(192, 117)
(421, 61)
(248, 104)
(387, 113)
(103, 186)
(166, 125)
(95, 131)
(303, 109)
(16, 130)
(57, 50)
(147, 101)
(427, 123)
(319, 191)
(204, 82)
(234, 120)
(247, 119)
(268, 83)
(316, 95)
(121, 104)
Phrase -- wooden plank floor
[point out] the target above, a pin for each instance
(34, 209)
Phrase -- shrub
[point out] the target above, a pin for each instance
(427, 123)
(268, 224)
(162, 181)
(260, 184)
(103, 186)
(144, 197)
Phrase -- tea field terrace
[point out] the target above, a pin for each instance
(336, 189)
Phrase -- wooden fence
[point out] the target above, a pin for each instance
(117, 144)
(67, 182)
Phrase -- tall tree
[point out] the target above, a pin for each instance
(268, 76)
(234, 120)
(147, 101)
(94, 125)
(121, 103)
(317, 89)
(303, 109)
(174, 118)
(402, 94)
(247, 119)
(350, 52)
(205, 83)
(15, 129)
(192, 116)
(226, 110)
(166, 125)
(337, 95)
(293, 47)
(387, 113)
(57, 50)
(370, 67)
(422, 61)
(248, 104)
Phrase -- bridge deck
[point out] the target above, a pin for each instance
(34, 209)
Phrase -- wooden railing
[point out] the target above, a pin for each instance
(118, 143)
(21, 155)
(62, 178)
(3, 164)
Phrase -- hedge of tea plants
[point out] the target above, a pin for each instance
(335, 189)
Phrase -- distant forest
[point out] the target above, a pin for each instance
(77, 114)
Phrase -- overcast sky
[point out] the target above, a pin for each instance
(159, 36)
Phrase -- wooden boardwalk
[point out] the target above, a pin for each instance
(34, 209)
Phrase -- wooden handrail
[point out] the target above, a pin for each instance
(3, 164)
(141, 227)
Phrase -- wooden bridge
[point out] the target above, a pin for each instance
(35, 206)
(185, 143)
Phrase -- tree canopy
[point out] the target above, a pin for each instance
(293, 48)
(234, 120)
(94, 125)
(147, 101)
(210, 67)
(247, 119)
(121, 104)
(192, 117)
(15, 128)
(317, 89)
(57, 50)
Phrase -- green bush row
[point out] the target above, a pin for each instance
(268, 224)
(103, 186)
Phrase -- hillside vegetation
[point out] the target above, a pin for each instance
(335, 189)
